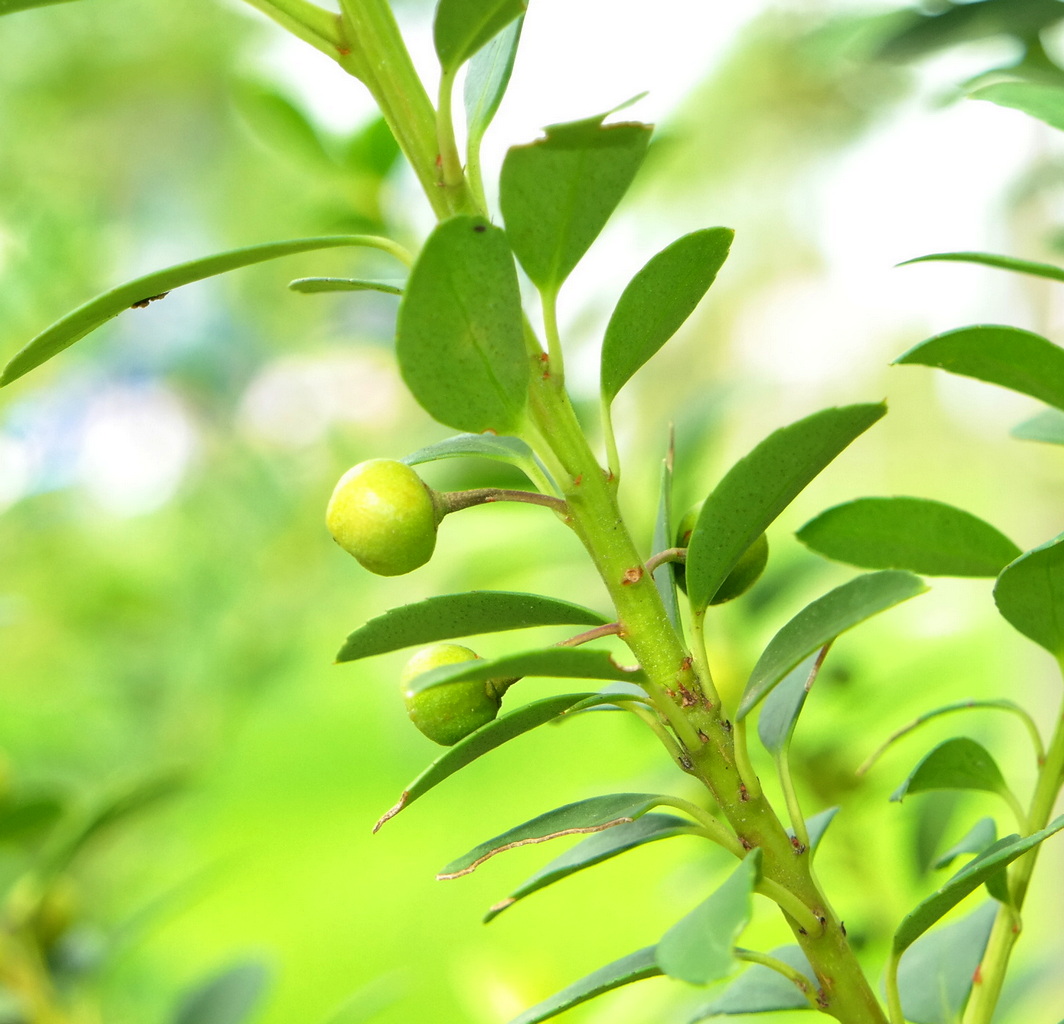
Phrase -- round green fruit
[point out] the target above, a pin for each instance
(383, 513)
(744, 575)
(451, 711)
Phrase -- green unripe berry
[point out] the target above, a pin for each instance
(451, 711)
(383, 513)
(744, 575)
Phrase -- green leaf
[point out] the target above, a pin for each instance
(553, 662)
(817, 825)
(980, 836)
(459, 337)
(1007, 356)
(464, 26)
(28, 817)
(142, 290)
(486, 80)
(763, 990)
(821, 622)
(657, 301)
(481, 741)
(634, 967)
(310, 285)
(784, 704)
(1046, 426)
(1045, 102)
(599, 847)
(923, 536)
(1030, 595)
(958, 763)
(557, 193)
(967, 880)
(664, 577)
(990, 260)
(760, 486)
(700, 948)
(11, 6)
(454, 615)
(594, 815)
(486, 446)
(935, 976)
(230, 998)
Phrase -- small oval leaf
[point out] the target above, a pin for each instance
(978, 838)
(700, 948)
(229, 998)
(1046, 426)
(464, 26)
(634, 967)
(1007, 356)
(923, 536)
(1030, 595)
(784, 704)
(821, 622)
(594, 815)
(557, 193)
(142, 290)
(486, 80)
(967, 880)
(455, 615)
(597, 848)
(657, 301)
(486, 446)
(459, 337)
(958, 763)
(481, 741)
(760, 486)
(552, 662)
(1045, 102)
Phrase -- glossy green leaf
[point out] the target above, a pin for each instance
(11, 6)
(967, 880)
(958, 763)
(455, 615)
(760, 486)
(459, 337)
(634, 967)
(664, 578)
(700, 947)
(480, 742)
(657, 301)
(557, 193)
(485, 446)
(311, 285)
(978, 838)
(1046, 426)
(1007, 356)
(1030, 595)
(584, 816)
(553, 662)
(1045, 102)
(987, 259)
(486, 80)
(923, 536)
(142, 290)
(464, 26)
(762, 990)
(935, 975)
(230, 998)
(599, 847)
(821, 622)
(784, 704)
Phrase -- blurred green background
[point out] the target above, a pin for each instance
(170, 602)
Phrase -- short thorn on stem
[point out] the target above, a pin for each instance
(453, 501)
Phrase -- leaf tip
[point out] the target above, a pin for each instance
(392, 811)
(497, 908)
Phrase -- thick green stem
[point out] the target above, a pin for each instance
(1006, 931)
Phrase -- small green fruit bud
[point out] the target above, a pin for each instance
(747, 570)
(450, 712)
(384, 514)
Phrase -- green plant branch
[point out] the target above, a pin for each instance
(790, 797)
(549, 303)
(613, 457)
(713, 828)
(792, 974)
(668, 555)
(455, 501)
(890, 983)
(306, 21)
(1007, 925)
(451, 173)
